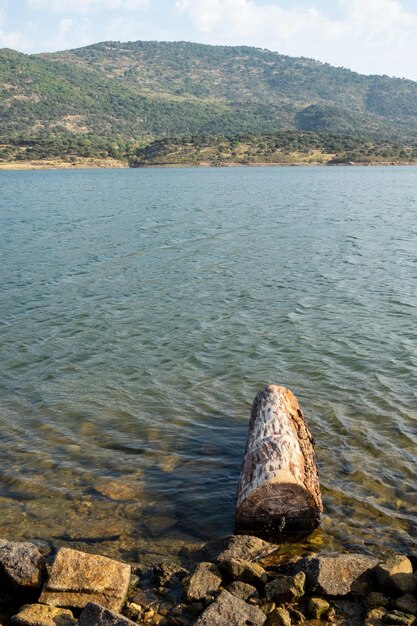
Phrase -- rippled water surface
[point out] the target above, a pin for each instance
(141, 311)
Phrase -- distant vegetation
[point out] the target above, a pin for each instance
(149, 102)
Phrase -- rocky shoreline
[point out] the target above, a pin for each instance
(232, 581)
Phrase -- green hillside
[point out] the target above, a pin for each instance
(111, 98)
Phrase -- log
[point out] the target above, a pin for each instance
(278, 490)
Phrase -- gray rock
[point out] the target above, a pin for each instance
(396, 575)
(245, 571)
(339, 575)
(228, 610)
(77, 578)
(145, 598)
(96, 615)
(286, 588)
(243, 591)
(399, 618)
(205, 580)
(43, 615)
(243, 547)
(21, 565)
(317, 607)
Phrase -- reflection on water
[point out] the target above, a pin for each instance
(141, 311)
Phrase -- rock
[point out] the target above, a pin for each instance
(203, 582)
(317, 607)
(375, 600)
(246, 572)
(286, 588)
(187, 613)
(243, 547)
(119, 489)
(296, 616)
(278, 617)
(399, 618)
(169, 573)
(339, 575)
(43, 615)
(144, 598)
(267, 607)
(243, 591)
(374, 617)
(21, 565)
(396, 575)
(407, 603)
(77, 578)
(227, 610)
(96, 615)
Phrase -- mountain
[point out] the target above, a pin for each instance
(105, 96)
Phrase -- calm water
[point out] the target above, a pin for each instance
(141, 311)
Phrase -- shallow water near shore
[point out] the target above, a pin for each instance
(141, 311)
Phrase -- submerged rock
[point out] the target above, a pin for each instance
(43, 615)
(228, 610)
(77, 578)
(21, 565)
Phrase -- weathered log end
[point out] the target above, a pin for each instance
(279, 490)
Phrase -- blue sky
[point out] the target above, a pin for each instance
(369, 36)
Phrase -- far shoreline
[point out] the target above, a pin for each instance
(57, 164)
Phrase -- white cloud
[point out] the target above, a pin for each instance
(85, 6)
(12, 39)
(374, 36)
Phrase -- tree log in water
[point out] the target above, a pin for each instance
(279, 488)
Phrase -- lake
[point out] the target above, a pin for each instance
(142, 310)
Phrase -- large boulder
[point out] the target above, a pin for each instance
(340, 574)
(22, 565)
(228, 610)
(77, 578)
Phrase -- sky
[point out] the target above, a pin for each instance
(368, 36)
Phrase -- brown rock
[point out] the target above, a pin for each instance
(286, 588)
(375, 600)
(246, 572)
(278, 617)
(42, 615)
(374, 617)
(77, 578)
(230, 611)
(407, 603)
(396, 575)
(203, 582)
(21, 565)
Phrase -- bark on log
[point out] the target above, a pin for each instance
(279, 488)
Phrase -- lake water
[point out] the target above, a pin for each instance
(142, 310)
